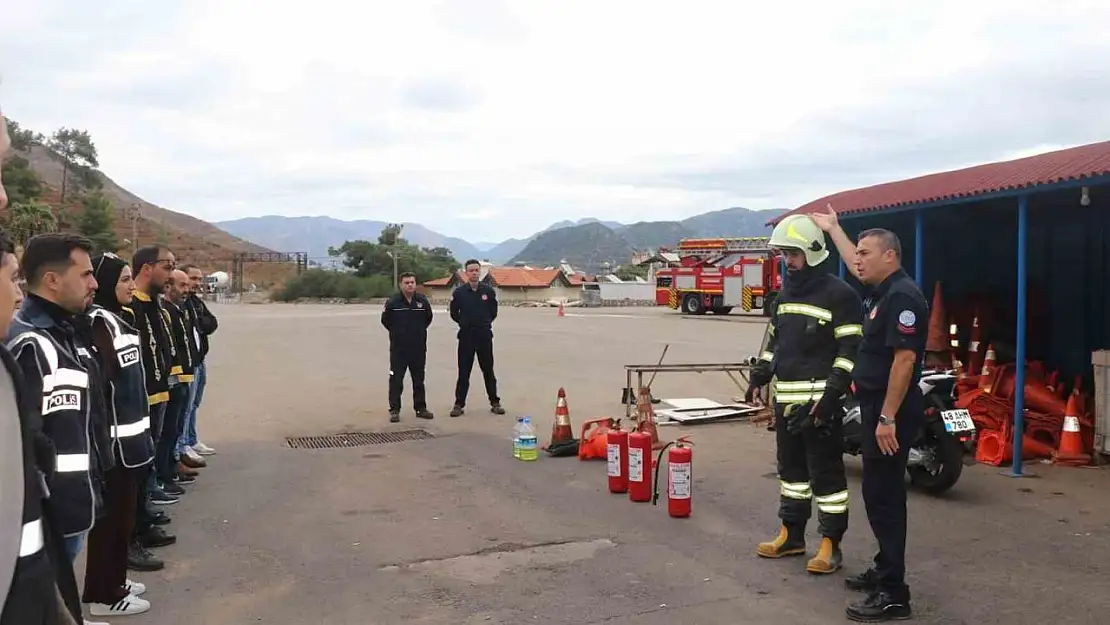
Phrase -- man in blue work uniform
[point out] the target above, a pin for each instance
(407, 316)
(474, 308)
(886, 377)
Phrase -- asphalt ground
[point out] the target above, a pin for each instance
(454, 530)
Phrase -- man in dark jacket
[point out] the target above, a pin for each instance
(407, 316)
(205, 325)
(474, 308)
(184, 356)
(37, 584)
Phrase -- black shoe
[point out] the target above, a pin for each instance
(867, 581)
(159, 497)
(879, 607)
(160, 518)
(496, 408)
(139, 559)
(424, 414)
(457, 410)
(394, 416)
(181, 478)
(171, 489)
(155, 537)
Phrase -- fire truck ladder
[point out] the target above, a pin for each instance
(721, 247)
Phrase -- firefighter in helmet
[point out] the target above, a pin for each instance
(815, 330)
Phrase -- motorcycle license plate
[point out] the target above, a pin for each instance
(957, 421)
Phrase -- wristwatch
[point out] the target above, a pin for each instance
(885, 420)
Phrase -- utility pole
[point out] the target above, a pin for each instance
(393, 254)
(134, 215)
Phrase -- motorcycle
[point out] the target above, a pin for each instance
(936, 457)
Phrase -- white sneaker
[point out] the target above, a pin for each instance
(194, 456)
(203, 449)
(124, 607)
(135, 588)
(95, 622)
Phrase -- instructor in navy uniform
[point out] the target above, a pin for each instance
(407, 316)
(474, 308)
(886, 376)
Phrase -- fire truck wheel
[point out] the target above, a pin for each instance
(691, 304)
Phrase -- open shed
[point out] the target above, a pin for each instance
(1031, 236)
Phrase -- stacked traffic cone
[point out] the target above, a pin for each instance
(936, 342)
(986, 376)
(561, 313)
(1070, 452)
(561, 430)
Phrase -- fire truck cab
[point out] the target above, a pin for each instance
(717, 275)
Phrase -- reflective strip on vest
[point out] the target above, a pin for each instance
(31, 540)
(131, 429)
(836, 503)
(809, 310)
(768, 356)
(799, 392)
(72, 463)
(845, 364)
(795, 490)
(64, 377)
(850, 329)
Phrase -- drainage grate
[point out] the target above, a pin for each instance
(355, 439)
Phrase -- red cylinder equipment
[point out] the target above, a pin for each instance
(680, 477)
(617, 441)
(639, 466)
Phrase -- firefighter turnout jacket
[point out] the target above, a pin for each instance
(117, 344)
(47, 352)
(816, 330)
(154, 346)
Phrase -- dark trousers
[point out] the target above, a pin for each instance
(411, 358)
(811, 467)
(476, 343)
(165, 463)
(146, 474)
(884, 484)
(106, 555)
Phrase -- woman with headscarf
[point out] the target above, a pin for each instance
(116, 343)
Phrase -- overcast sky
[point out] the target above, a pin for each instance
(488, 118)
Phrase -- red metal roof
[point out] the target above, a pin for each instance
(1085, 161)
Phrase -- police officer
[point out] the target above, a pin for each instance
(407, 316)
(37, 584)
(815, 333)
(887, 372)
(474, 308)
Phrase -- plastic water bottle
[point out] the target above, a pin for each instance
(529, 445)
(516, 437)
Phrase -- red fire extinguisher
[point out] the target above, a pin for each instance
(617, 444)
(639, 466)
(679, 478)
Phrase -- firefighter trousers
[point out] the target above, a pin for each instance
(411, 358)
(811, 467)
(476, 343)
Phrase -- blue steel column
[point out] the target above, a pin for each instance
(919, 247)
(1019, 358)
(843, 269)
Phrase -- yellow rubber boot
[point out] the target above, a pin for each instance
(828, 558)
(787, 543)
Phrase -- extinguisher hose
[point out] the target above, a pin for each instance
(658, 463)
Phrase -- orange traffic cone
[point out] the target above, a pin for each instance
(561, 431)
(937, 339)
(1071, 452)
(561, 313)
(986, 376)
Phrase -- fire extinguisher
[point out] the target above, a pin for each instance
(639, 466)
(679, 478)
(617, 445)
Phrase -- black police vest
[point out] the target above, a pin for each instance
(65, 414)
(31, 555)
(129, 408)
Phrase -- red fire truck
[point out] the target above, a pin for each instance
(717, 275)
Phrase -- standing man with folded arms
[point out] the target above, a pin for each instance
(205, 325)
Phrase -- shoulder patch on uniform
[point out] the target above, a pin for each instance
(907, 318)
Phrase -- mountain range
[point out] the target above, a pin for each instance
(585, 243)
